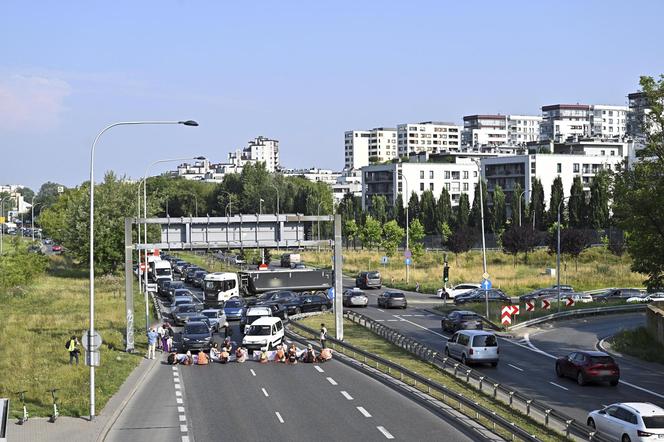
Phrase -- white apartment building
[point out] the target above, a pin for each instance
(361, 147)
(314, 174)
(195, 171)
(391, 179)
(260, 149)
(350, 181)
(498, 130)
(428, 136)
(523, 129)
(563, 121)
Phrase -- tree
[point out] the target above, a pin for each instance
(351, 231)
(572, 242)
(428, 212)
(462, 211)
(416, 235)
(519, 239)
(598, 210)
(443, 211)
(537, 209)
(392, 236)
(577, 208)
(399, 212)
(499, 211)
(371, 232)
(556, 198)
(378, 208)
(48, 194)
(475, 219)
(413, 207)
(461, 241)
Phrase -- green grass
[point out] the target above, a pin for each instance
(37, 323)
(206, 262)
(597, 268)
(363, 338)
(639, 343)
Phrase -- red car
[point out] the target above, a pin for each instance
(588, 366)
(56, 249)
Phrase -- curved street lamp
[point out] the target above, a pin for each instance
(558, 251)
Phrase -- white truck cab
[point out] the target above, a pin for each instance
(265, 333)
(219, 287)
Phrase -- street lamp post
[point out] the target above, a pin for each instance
(558, 252)
(32, 218)
(407, 225)
(520, 207)
(484, 275)
(318, 223)
(260, 206)
(91, 331)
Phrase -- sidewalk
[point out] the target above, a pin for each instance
(73, 429)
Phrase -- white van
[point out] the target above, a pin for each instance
(265, 333)
(473, 346)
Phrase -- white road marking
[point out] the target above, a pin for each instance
(379, 320)
(253, 373)
(559, 386)
(385, 433)
(422, 327)
(642, 389)
(515, 367)
(178, 400)
(183, 418)
(406, 316)
(346, 395)
(393, 320)
(178, 393)
(265, 392)
(183, 428)
(419, 316)
(383, 311)
(177, 386)
(363, 411)
(185, 438)
(320, 370)
(281, 419)
(332, 381)
(180, 409)
(174, 368)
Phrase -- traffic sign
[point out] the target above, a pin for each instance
(530, 306)
(569, 302)
(486, 284)
(515, 309)
(408, 261)
(330, 293)
(262, 266)
(383, 260)
(96, 341)
(546, 305)
(407, 253)
(485, 275)
(506, 315)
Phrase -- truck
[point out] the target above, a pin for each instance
(220, 286)
(288, 260)
(159, 269)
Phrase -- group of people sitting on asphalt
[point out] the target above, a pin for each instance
(231, 352)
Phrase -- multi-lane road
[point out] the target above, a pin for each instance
(527, 362)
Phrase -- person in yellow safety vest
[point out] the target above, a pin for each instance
(263, 357)
(72, 348)
(202, 358)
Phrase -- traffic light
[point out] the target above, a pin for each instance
(446, 273)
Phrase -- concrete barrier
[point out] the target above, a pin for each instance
(655, 322)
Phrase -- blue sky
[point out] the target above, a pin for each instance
(301, 72)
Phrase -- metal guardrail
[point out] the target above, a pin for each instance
(4, 417)
(458, 401)
(517, 401)
(581, 312)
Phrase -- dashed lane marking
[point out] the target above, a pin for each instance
(515, 367)
(320, 370)
(385, 432)
(183, 428)
(178, 393)
(265, 392)
(364, 412)
(346, 395)
(182, 418)
(382, 311)
(178, 400)
(332, 381)
(253, 373)
(180, 409)
(281, 419)
(559, 386)
(185, 438)
(177, 386)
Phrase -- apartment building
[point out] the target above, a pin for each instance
(499, 130)
(563, 121)
(428, 136)
(350, 181)
(638, 109)
(523, 129)
(260, 149)
(314, 174)
(391, 179)
(362, 147)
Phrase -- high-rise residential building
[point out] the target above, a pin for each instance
(362, 147)
(260, 149)
(638, 109)
(500, 130)
(428, 136)
(523, 129)
(563, 121)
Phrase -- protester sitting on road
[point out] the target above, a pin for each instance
(203, 358)
(281, 354)
(172, 358)
(161, 338)
(263, 357)
(225, 354)
(189, 359)
(240, 354)
(292, 354)
(215, 354)
(325, 355)
(310, 355)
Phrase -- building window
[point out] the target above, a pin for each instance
(421, 187)
(447, 174)
(431, 187)
(447, 186)
(576, 167)
(465, 187)
(421, 174)
(431, 174)
(559, 168)
(465, 174)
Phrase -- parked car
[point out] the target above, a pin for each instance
(588, 366)
(216, 317)
(198, 278)
(458, 289)
(273, 296)
(196, 336)
(473, 346)
(617, 295)
(653, 297)
(629, 421)
(57, 249)
(578, 298)
(479, 295)
(391, 299)
(461, 320)
(307, 303)
(355, 298)
(563, 288)
(183, 312)
(366, 280)
(234, 307)
(539, 294)
(202, 318)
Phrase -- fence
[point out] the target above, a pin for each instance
(655, 322)
(538, 411)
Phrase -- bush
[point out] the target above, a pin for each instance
(639, 343)
(19, 267)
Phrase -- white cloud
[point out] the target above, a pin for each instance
(31, 102)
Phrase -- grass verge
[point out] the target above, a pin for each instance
(640, 344)
(36, 325)
(361, 337)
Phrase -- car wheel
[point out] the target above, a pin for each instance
(580, 379)
(559, 371)
(323, 308)
(591, 423)
(614, 383)
(626, 438)
(298, 310)
(463, 359)
(494, 364)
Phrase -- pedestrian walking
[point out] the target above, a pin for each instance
(152, 343)
(417, 287)
(323, 335)
(161, 339)
(72, 347)
(228, 331)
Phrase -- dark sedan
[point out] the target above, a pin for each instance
(173, 286)
(196, 336)
(182, 313)
(479, 295)
(189, 273)
(162, 286)
(234, 307)
(392, 300)
(617, 295)
(539, 294)
(588, 366)
(198, 278)
(279, 296)
(307, 303)
(461, 320)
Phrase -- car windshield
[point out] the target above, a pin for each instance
(163, 272)
(653, 421)
(187, 308)
(601, 360)
(259, 330)
(176, 285)
(485, 341)
(396, 295)
(196, 329)
(468, 317)
(233, 303)
(210, 314)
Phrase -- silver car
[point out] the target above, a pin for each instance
(629, 421)
(473, 346)
(355, 298)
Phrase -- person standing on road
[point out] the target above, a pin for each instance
(72, 348)
(228, 331)
(323, 335)
(152, 342)
(161, 339)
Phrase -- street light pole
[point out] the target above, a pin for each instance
(32, 218)
(486, 292)
(318, 222)
(407, 225)
(520, 207)
(260, 206)
(558, 253)
(91, 331)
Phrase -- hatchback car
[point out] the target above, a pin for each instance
(182, 313)
(494, 295)
(355, 298)
(392, 300)
(588, 366)
(196, 336)
(629, 421)
(458, 289)
(473, 346)
(234, 307)
(198, 278)
(461, 320)
(189, 273)
(366, 280)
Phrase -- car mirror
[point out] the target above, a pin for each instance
(601, 412)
